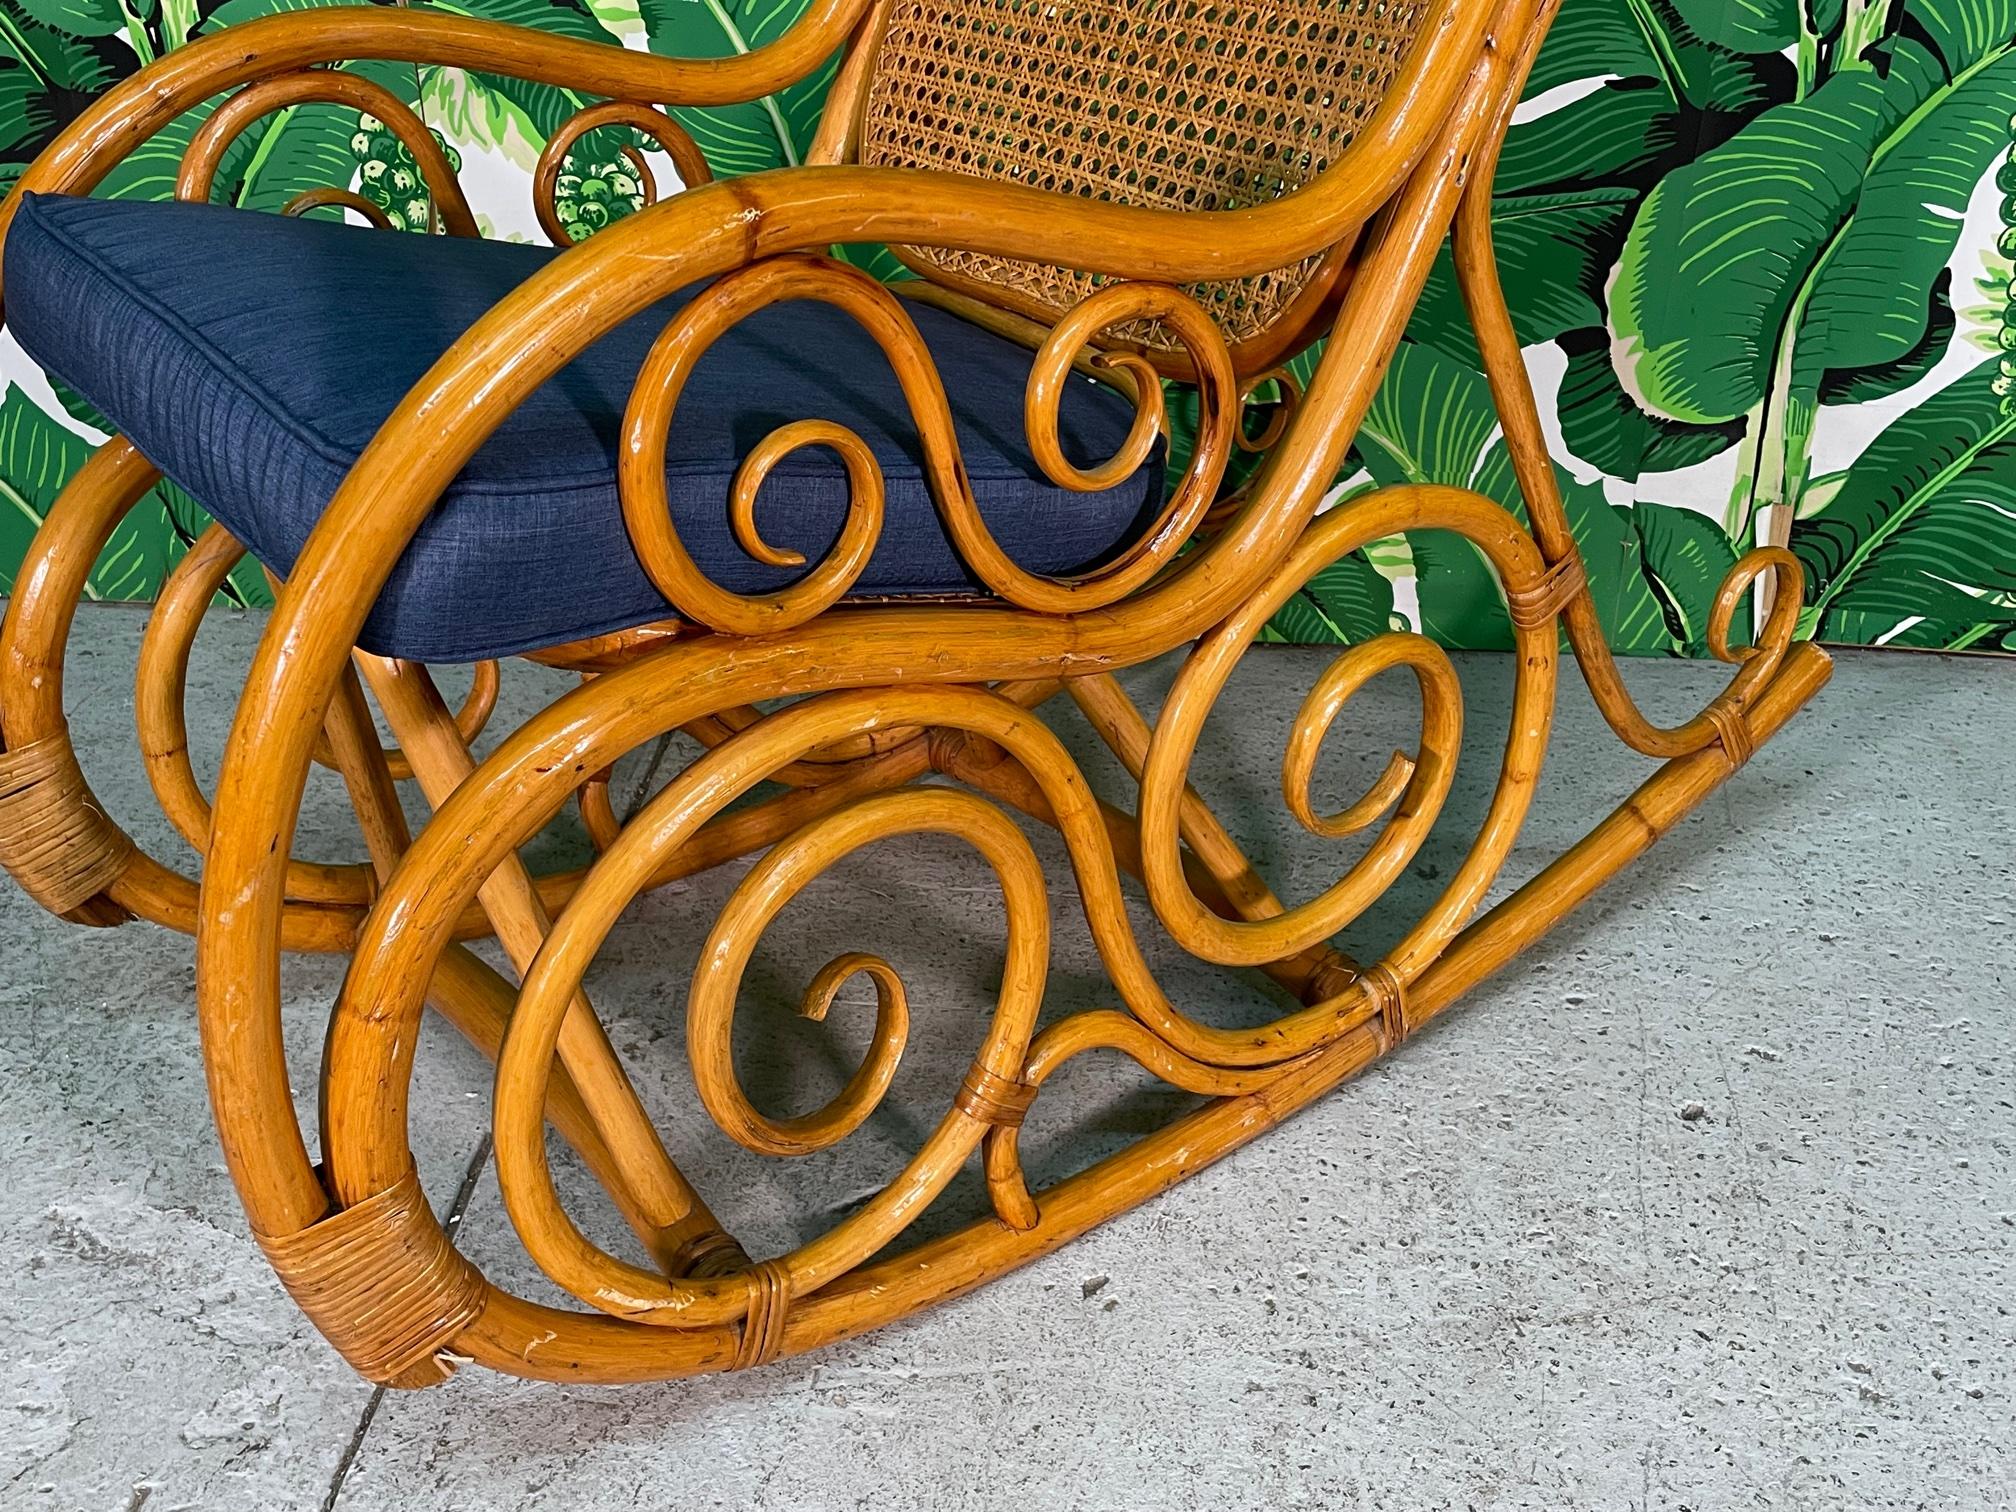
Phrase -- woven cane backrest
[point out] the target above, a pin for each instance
(1179, 104)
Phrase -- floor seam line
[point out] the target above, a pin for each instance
(450, 1225)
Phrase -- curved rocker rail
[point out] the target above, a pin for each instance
(884, 695)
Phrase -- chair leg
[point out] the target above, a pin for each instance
(466, 992)
(367, 776)
(688, 1233)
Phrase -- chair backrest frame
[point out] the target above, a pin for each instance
(1181, 104)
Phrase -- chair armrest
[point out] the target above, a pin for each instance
(763, 223)
(131, 112)
(1414, 155)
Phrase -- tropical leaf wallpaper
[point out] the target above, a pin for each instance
(1759, 253)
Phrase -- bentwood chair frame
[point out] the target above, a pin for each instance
(881, 694)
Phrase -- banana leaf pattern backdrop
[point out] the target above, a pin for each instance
(1758, 251)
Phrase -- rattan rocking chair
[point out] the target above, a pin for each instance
(1127, 190)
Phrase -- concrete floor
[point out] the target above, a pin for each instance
(1502, 1270)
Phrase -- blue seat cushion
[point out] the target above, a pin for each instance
(252, 357)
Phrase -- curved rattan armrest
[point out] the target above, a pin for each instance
(716, 229)
(1438, 111)
(130, 113)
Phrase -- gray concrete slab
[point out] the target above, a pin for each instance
(1499, 1271)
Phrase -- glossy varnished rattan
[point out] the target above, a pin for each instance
(1042, 138)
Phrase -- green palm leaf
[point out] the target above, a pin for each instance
(1603, 425)
(1926, 521)
(1591, 38)
(1603, 138)
(1429, 422)
(1433, 422)
(80, 18)
(1685, 557)
(1808, 240)
(1554, 253)
(237, 12)
(1965, 31)
(38, 456)
(514, 115)
(27, 114)
(1710, 271)
(1882, 379)
(1568, 187)
(563, 18)
(1348, 601)
(304, 147)
(1868, 303)
(748, 138)
(1651, 40)
(470, 108)
(45, 78)
(1744, 26)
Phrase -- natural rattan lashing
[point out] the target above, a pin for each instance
(1164, 143)
(1184, 104)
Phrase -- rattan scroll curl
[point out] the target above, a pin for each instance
(326, 87)
(1218, 432)
(1278, 412)
(671, 137)
(721, 1090)
(641, 480)
(1412, 788)
(1723, 721)
(989, 1092)
(646, 502)
(550, 1235)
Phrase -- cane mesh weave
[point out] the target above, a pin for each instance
(1178, 104)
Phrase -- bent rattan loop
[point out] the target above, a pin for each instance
(58, 844)
(383, 1283)
(1389, 994)
(763, 1328)
(1533, 607)
(1073, 135)
(1733, 730)
(990, 1098)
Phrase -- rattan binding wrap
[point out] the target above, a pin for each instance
(54, 838)
(993, 1099)
(1389, 998)
(383, 1283)
(762, 1333)
(1183, 104)
(1533, 606)
(1733, 730)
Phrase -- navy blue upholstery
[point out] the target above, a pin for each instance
(252, 357)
